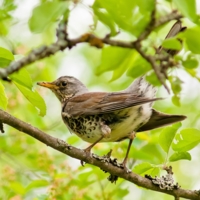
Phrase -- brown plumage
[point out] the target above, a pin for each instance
(111, 116)
(108, 117)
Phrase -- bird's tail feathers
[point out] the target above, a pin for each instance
(159, 119)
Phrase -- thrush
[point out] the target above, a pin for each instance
(111, 116)
(108, 116)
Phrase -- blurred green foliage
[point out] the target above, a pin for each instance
(31, 170)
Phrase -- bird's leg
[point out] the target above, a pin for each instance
(105, 133)
(88, 149)
(131, 138)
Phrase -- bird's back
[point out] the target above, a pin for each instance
(121, 121)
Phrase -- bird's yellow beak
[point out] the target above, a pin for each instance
(48, 85)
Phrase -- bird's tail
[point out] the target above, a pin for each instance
(159, 119)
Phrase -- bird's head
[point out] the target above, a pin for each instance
(65, 87)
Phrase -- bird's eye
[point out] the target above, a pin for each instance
(63, 83)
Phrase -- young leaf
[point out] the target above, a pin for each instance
(139, 66)
(142, 168)
(167, 135)
(46, 13)
(4, 53)
(176, 100)
(191, 36)
(33, 97)
(154, 171)
(125, 64)
(179, 156)
(104, 17)
(153, 79)
(188, 8)
(172, 43)
(186, 140)
(131, 16)
(3, 97)
(5, 57)
(23, 78)
(112, 58)
(122, 192)
(190, 63)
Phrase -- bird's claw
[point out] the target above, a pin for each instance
(87, 151)
(82, 163)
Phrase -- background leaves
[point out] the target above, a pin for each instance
(29, 169)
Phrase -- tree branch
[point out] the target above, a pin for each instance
(65, 148)
(64, 42)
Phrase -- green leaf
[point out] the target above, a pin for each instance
(4, 62)
(122, 192)
(179, 156)
(139, 66)
(176, 100)
(191, 36)
(127, 62)
(33, 97)
(172, 43)
(36, 183)
(154, 171)
(4, 53)
(142, 168)
(5, 57)
(22, 77)
(175, 84)
(46, 13)
(17, 187)
(146, 168)
(112, 58)
(132, 16)
(167, 135)
(153, 79)
(105, 18)
(187, 8)
(3, 97)
(190, 63)
(186, 140)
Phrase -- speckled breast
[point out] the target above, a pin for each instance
(89, 127)
(122, 123)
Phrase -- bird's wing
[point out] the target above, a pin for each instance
(101, 102)
(159, 119)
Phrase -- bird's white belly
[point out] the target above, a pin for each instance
(138, 116)
(122, 130)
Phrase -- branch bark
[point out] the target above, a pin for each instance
(69, 150)
(64, 42)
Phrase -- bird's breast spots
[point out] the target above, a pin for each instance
(87, 125)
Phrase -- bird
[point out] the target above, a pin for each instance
(108, 116)
(112, 116)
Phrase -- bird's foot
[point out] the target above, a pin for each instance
(126, 169)
(87, 151)
(123, 166)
